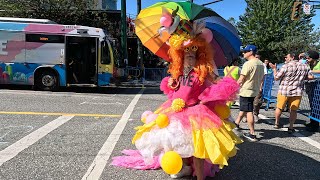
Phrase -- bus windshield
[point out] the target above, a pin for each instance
(105, 53)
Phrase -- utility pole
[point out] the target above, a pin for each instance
(124, 32)
(140, 52)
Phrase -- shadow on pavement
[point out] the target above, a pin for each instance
(298, 125)
(253, 161)
(265, 161)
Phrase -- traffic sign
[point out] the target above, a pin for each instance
(307, 9)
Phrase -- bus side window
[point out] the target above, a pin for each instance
(105, 59)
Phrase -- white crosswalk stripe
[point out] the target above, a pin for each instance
(14, 149)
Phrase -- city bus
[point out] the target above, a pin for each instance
(47, 55)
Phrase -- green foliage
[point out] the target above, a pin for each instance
(232, 21)
(61, 11)
(268, 24)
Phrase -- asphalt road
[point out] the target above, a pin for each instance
(73, 134)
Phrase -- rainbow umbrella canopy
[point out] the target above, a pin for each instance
(225, 42)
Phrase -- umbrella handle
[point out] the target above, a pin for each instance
(172, 28)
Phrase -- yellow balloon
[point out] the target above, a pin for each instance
(171, 162)
(143, 120)
(162, 121)
(223, 111)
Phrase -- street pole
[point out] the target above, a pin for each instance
(140, 52)
(124, 32)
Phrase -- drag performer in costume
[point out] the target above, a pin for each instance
(194, 122)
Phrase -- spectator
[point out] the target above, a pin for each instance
(257, 102)
(266, 63)
(257, 55)
(286, 60)
(312, 58)
(232, 70)
(250, 81)
(302, 58)
(292, 76)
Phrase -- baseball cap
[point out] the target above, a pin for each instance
(250, 47)
(312, 54)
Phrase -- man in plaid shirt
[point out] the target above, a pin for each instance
(291, 76)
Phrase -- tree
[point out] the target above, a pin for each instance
(71, 12)
(232, 21)
(61, 11)
(268, 24)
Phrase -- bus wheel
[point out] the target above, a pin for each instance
(47, 81)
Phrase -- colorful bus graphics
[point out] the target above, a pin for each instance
(52, 55)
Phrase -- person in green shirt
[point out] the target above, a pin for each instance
(312, 58)
(232, 70)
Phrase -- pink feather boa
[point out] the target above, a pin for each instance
(225, 90)
(134, 160)
(164, 87)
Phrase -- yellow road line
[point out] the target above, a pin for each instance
(61, 114)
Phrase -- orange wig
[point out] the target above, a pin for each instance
(204, 59)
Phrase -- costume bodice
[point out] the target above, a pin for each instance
(189, 89)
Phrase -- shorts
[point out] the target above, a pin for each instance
(246, 104)
(293, 102)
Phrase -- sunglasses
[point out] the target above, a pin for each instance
(245, 52)
(191, 48)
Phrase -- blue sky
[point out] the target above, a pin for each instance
(226, 8)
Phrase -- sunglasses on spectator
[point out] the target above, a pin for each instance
(191, 48)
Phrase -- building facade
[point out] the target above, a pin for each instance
(106, 4)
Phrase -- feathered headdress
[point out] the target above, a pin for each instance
(182, 31)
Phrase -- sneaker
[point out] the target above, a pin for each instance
(291, 131)
(237, 126)
(277, 126)
(308, 124)
(250, 137)
(185, 171)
